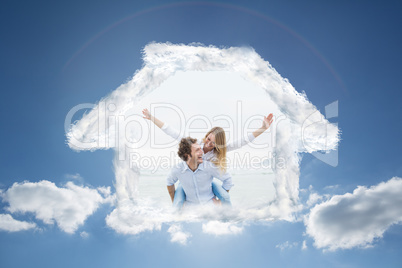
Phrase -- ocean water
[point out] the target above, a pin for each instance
(250, 188)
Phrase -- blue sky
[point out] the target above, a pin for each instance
(57, 55)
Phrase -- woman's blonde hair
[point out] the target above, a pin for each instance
(220, 147)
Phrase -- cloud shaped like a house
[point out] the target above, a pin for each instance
(307, 132)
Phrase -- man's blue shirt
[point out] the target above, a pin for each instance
(197, 184)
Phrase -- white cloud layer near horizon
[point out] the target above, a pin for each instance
(351, 220)
(305, 131)
(356, 219)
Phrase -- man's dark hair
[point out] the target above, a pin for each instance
(185, 147)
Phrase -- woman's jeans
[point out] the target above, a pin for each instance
(222, 194)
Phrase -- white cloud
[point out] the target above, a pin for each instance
(306, 129)
(331, 187)
(314, 198)
(129, 218)
(69, 207)
(177, 235)
(357, 219)
(84, 235)
(8, 223)
(75, 176)
(221, 228)
(287, 245)
(304, 245)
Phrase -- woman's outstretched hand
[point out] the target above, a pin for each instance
(146, 114)
(265, 125)
(267, 121)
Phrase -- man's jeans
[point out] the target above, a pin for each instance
(180, 196)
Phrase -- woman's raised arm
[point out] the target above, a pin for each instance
(164, 127)
(265, 125)
(156, 121)
(243, 141)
